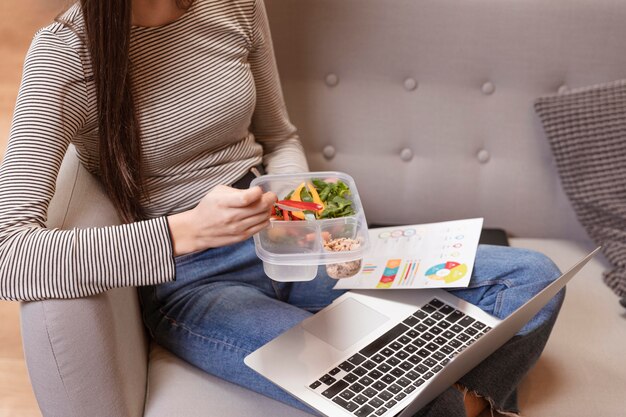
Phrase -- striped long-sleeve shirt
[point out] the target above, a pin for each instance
(210, 107)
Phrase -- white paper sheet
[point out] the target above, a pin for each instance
(434, 255)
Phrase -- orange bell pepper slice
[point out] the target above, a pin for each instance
(315, 195)
(296, 197)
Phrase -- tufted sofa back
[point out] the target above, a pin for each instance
(428, 103)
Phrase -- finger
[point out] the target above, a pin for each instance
(270, 197)
(257, 227)
(264, 204)
(261, 206)
(232, 197)
(251, 221)
(235, 216)
(245, 230)
(251, 231)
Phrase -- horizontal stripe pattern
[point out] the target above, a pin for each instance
(210, 107)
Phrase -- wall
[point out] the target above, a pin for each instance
(19, 19)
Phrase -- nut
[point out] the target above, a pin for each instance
(342, 269)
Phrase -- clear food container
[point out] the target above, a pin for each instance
(293, 250)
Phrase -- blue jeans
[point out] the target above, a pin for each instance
(222, 307)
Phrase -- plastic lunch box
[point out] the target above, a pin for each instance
(293, 250)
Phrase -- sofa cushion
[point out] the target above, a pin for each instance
(586, 129)
(176, 388)
(582, 371)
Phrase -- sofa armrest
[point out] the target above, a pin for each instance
(85, 357)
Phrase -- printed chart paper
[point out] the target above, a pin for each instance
(434, 255)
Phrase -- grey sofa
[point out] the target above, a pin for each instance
(428, 105)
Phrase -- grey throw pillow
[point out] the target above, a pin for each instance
(586, 129)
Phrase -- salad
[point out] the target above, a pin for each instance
(315, 200)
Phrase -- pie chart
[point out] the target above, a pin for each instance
(448, 272)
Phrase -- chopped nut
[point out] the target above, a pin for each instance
(341, 244)
(342, 269)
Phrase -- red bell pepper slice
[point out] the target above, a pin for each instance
(290, 205)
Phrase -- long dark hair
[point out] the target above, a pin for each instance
(108, 25)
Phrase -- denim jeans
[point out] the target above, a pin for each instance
(222, 307)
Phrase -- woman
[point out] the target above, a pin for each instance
(171, 103)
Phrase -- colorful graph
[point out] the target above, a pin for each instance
(389, 274)
(368, 269)
(409, 272)
(448, 272)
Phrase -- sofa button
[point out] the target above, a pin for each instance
(488, 88)
(329, 152)
(331, 80)
(563, 89)
(410, 84)
(483, 156)
(406, 154)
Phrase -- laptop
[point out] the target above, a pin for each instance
(388, 353)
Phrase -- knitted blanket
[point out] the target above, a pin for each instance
(586, 129)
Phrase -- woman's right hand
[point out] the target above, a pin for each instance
(224, 216)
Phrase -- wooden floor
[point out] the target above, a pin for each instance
(19, 19)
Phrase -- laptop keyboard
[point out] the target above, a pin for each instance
(376, 378)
